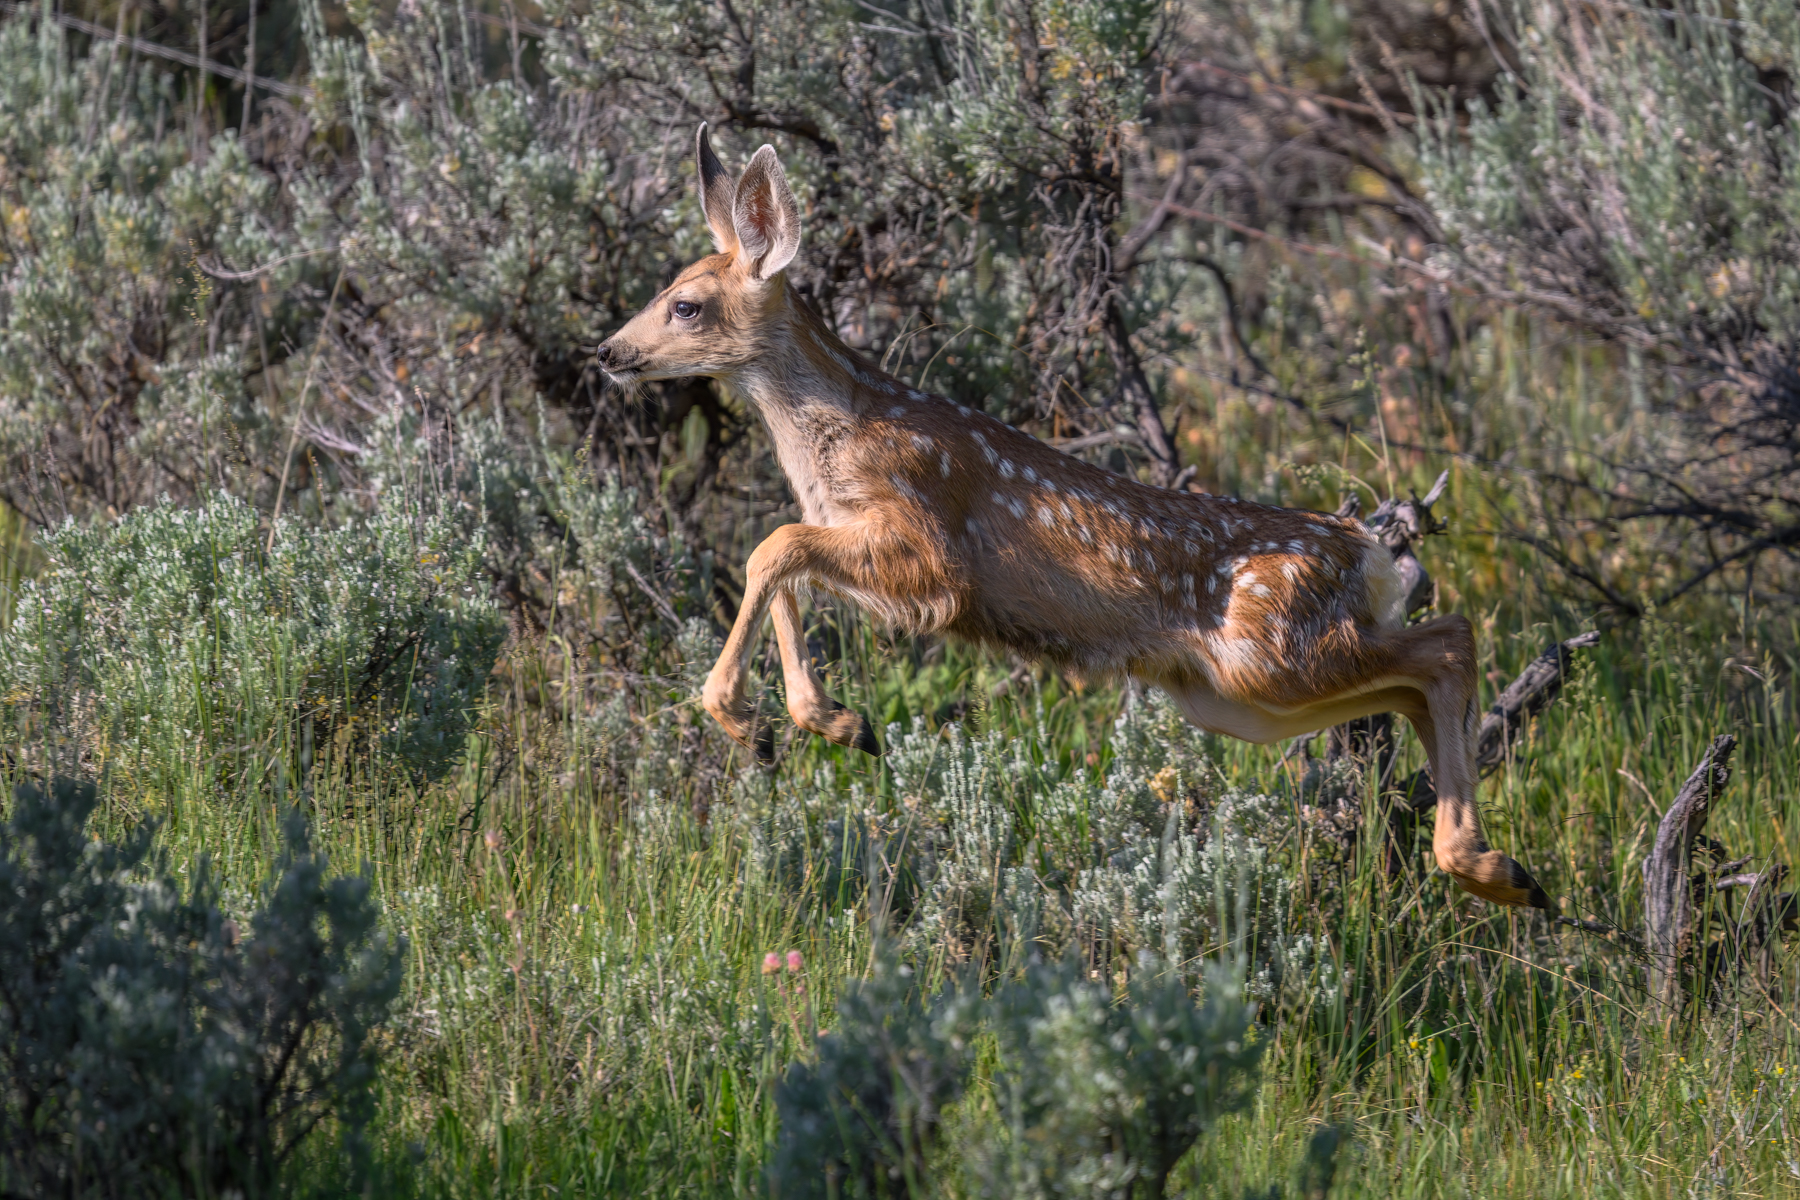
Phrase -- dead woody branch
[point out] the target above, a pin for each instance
(1668, 907)
(1697, 940)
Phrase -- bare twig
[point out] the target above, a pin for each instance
(1362, 110)
(1399, 523)
(1526, 696)
(198, 62)
(287, 459)
(1105, 437)
(1632, 943)
(656, 598)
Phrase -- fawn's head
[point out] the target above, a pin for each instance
(713, 318)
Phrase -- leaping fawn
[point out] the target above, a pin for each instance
(1262, 623)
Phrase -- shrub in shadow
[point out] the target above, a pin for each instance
(1100, 1098)
(147, 1045)
(860, 1119)
(1095, 1097)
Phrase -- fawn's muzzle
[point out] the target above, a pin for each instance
(613, 357)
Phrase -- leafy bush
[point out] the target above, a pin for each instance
(859, 1120)
(1095, 1097)
(1103, 1098)
(187, 628)
(112, 367)
(152, 1048)
(1637, 175)
(1137, 859)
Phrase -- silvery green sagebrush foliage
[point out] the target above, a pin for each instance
(150, 1045)
(1101, 1097)
(963, 795)
(1637, 175)
(550, 525)
(114, 376)
(1636, 168)
(543, 514)
(860, 1118)
(1095, 1095)
(426, 229)
(962, 165)
(991, 846)
(182, 631)
(1004, 847)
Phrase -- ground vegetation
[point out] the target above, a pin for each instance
(314, 503)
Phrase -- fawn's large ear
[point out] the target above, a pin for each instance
(766, 217)
(716, 191)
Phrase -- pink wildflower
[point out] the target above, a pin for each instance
(771, 963)
(794, 962)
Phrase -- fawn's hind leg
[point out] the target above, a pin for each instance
(1441, 656)
(1426, 673)
(812, 709)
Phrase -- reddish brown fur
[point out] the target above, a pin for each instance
(1260, 622)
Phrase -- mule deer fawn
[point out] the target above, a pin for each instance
(1262, 623)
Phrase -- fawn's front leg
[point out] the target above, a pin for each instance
(812, 709)
(792, 554)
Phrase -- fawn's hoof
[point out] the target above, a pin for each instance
(1499, 880)
(762, 743)
(865, 737)
(743, 726)
(842, 727)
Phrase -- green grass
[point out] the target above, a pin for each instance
(615, 1032)
(585, 1010)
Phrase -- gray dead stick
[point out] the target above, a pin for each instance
(1668, 906)
(1400, 523)
(1525, 697)
(1522, 699)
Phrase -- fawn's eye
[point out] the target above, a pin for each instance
(687, 310)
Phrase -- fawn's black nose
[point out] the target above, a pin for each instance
(614, 357)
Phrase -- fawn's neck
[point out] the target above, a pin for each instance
(811, 390)
(805, 369)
